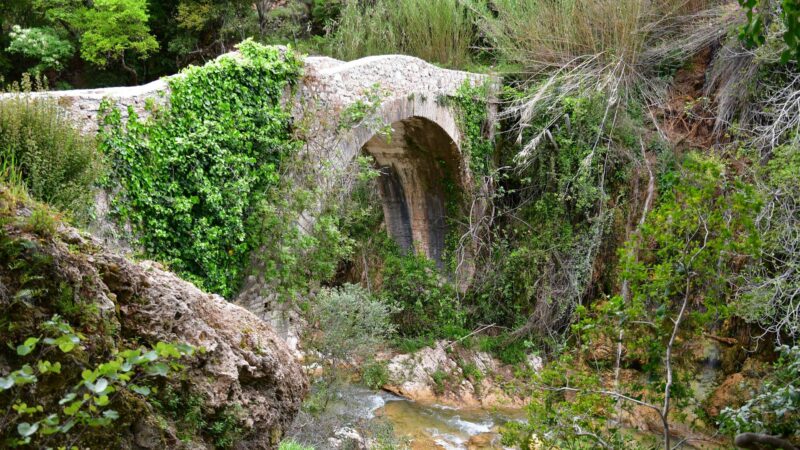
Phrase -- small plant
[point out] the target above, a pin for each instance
(471, 371)
(440, 378)
(42, 222)
(427, 299)
(292, 445)
(375, 375)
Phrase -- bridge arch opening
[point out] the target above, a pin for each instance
(420, 182)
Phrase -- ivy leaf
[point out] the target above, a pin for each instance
(111, 414)
(102, 400)
(99, 387)
(67, 398)
(6, 383)
(159, 369)
(26, 430)
(142, 390)
(27, 346)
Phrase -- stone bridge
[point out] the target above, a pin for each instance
(422, 152)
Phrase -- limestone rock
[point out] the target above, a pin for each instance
(348, 438)
(244, 363)
(433, 376)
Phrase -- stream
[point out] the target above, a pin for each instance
(424, 426)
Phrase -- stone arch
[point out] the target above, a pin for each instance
(422, 171)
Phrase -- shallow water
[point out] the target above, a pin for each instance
(427, 426)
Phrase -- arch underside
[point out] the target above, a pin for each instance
(420, 173)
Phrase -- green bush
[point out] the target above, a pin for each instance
(56, 164)
(428, 302)
(375, 375)
(353, 323)
(438, 31)
(197, 177)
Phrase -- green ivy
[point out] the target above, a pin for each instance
(194, 174)
(471, 102)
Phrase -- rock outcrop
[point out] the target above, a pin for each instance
(464, 379)
(117, 304)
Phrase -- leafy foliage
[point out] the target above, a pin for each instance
(353, 322)
(761, 13)
(114, 28)
(196, 175)
(42, 44)
(689, 249)
(554, 217)
(428, 302)
(87, 401)
(375, 375)
(472, 104)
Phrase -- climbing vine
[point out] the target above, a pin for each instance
(471, 102)
(194, 173)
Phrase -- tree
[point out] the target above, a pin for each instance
(42, 44)
(114, 29)
(681, 266)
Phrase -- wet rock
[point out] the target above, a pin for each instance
(482, 440)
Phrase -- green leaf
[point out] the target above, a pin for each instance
(6, 383)
(141, 390)
(98, 387)
(25, 429)
(158, 369)
(67, 398)
(23, 349)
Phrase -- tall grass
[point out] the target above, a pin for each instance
(541, 34)
(439, 31)
(47, 154)
(577, 48)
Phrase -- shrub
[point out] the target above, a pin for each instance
(428, 302)
(292, 445)
(352, 322)
(56, 164)
(375, 375)
(435, 30)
